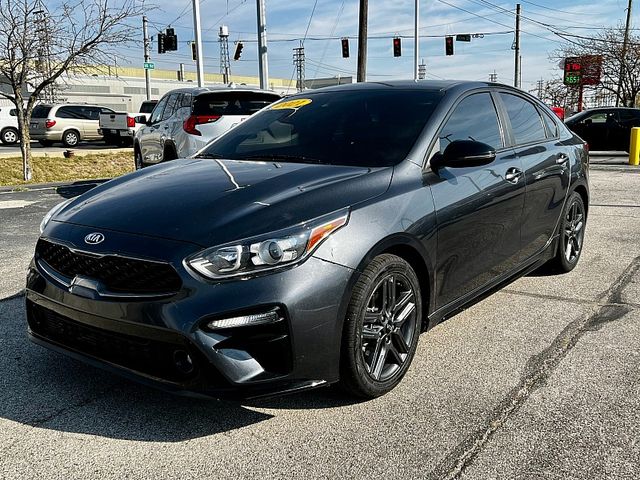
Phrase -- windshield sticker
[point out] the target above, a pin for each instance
(293, 104)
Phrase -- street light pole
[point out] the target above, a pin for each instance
(147, 56)
(263, 63)
(198, 37)
(516, 75)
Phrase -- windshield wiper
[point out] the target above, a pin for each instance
(285, 158)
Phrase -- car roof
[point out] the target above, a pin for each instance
(195, 91)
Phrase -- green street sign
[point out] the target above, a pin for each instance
(149, 65)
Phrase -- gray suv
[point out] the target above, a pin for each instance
(187, 119)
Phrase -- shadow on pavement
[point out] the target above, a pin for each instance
(49, 390)
(78, 188)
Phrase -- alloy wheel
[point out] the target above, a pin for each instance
(573, 232)
(9, 137)
(388, 327)
(70, 139)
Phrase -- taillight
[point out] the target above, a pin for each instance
(49, 123)
(131, 122)
(190, 123)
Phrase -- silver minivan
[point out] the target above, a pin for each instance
(66, 123)
(187, 119)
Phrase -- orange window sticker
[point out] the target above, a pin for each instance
(293, 104)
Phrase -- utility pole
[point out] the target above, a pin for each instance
(625, 43)
(416, 48)
(540, 88)
(516, 75)
(362, 41)
(198, 36)
(422, 70)
(493, 77)
(263, 64)
(225, 66)
(298, 61)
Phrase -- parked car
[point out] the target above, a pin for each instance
(313, 242)
(607, 128)
(66, 123)
(186, 119)
(9, 126)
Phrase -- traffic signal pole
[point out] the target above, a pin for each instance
(263, 64)
(516, 75)
(147, 56)
(198, 37)
(362, 41)
(416, 48)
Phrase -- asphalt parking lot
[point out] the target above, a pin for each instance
(540, 380)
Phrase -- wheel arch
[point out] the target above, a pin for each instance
(409, 249)
(581, 190)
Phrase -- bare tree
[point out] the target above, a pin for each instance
(38, 46)
(616, 62)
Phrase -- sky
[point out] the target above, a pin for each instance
(314, 20)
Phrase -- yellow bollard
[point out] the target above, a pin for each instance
(634, 147)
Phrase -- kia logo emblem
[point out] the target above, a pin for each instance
(94, 238)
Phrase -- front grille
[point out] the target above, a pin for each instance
(117, 274)
(148, 356)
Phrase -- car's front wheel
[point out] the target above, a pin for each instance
(382, 327)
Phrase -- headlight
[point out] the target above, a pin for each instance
(266, 252)
(50, 214)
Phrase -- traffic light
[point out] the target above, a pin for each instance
(397, 47)
(161, 45)
(194, 52)
(170, 40)
(238, 52)
(345, 48)
(448, 45)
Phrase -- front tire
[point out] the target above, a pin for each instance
(381, 328)
(571, 238)
(137, 157)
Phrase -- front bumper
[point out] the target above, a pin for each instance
(147, 338)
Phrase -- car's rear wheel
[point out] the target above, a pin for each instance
(71, 138)
(571, 238)
(381, 328)
(9, 136)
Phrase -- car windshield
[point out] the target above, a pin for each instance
(147, 107)
(371, 128)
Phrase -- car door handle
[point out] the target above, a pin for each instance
(513, 175)
(563, 157)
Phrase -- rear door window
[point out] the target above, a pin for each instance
(232, 103)
(474, 118)
(67, 112)
(526, 123)
(552, 126)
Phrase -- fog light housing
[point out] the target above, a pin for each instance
(264, 318)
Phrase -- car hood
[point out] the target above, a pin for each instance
(210, 202)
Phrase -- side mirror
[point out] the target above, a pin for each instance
(141, 119)
(464, 153)
(588, 121)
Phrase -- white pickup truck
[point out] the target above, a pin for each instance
(119, 128)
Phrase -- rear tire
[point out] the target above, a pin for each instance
(71, 138)
(381, 328)
(9, 136)
(571, 239)
(169, 153)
